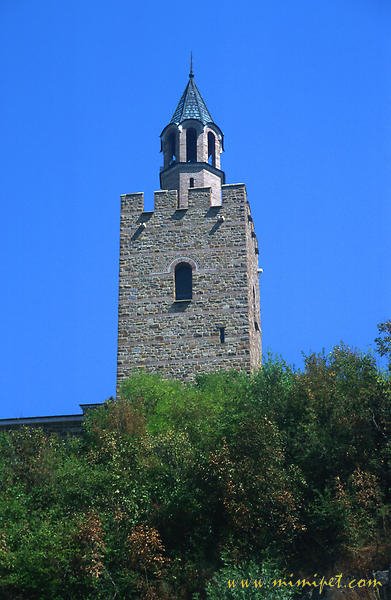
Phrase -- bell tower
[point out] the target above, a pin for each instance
(192, 144)
(188, 277)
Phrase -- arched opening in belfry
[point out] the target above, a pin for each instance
(171, 148)
(211, 149)
(183, 281)
(191, 145)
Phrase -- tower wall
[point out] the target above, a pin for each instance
(178, 178)
(180, 339)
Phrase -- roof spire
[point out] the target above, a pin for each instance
(191, 105)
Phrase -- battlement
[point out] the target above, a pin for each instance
(199, 198)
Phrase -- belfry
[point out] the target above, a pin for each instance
(189, 278)
(191, 145)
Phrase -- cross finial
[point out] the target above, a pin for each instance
(191, 74)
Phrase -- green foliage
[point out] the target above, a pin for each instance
(383, 341)
(274, 466)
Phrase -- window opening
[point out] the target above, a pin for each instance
(211, 149)
(191, 145)
(191, 182)
(183, 282)
(172, 148)
(222, 335)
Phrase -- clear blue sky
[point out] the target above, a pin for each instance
(302, 91)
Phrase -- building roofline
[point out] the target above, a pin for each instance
(50, 418)
(45, 419)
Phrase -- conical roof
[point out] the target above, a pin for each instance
(191, 105)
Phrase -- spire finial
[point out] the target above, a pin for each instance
(191, 74)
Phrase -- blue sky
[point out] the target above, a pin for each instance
(302, 92)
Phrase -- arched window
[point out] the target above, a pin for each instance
(183, 282)
(171, 148)
(211, 149)
(191, 145)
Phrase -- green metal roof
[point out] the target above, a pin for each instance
(191, 105)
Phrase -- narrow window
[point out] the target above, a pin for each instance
(191, 145)
(183, 282)
(211, 149)
(171, 148)
(254, 302)
(256, 326)
(222, 335)
(191, 182)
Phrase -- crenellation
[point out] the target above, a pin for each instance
(199, 199)
(165, 201)
(132, 203)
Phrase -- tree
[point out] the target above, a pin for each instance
(383, 341)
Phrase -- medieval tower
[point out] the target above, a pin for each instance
(188, 281)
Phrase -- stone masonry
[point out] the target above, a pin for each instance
(180, 339)
(188, 281)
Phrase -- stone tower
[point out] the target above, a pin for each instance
(188, 281)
